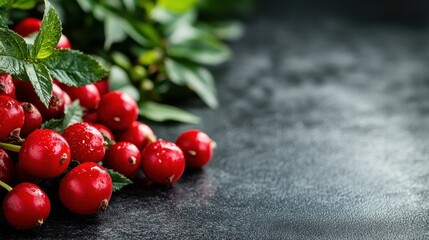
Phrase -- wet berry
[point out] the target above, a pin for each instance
(123, 157)
(196, 146)
(117, 110)
(86, 189)
(45, 153)
(26, 206)
(11, 117)
(86, 142)
(163, 162)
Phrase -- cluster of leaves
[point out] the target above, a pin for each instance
(36, 60)
(158, 50)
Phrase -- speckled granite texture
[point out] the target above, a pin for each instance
(323, 133)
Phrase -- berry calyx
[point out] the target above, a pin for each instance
(86, 142)
(163, 162)
(196, 146)
(45, 154)
(11, 117)
(117, 110)
(26, 206)
(123, 157)
(86, 189)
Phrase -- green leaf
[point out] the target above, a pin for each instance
(39, 77)
(143, 33)
(121, 60)
(72, 114)
(74, 68)
(49, 35)
(118, 78)
(54, 124)
(197, 78)
(12, 45)
(13, 52)
(171, 21)
(229, 30)
(113, 31)
(119, 181)
(23, 4)
(208, 51)
(178, 6)
(161, 112)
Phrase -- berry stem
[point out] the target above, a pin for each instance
(5, 186)
(10, 147)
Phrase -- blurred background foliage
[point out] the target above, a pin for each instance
(158, 51)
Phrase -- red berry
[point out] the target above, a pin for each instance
(104, 131)
(32, 119)
(6, 167)
(25, 93)
(86, 189)
(26, 206)
(123, 157)
(117, 110)
(63, 43)
(196, 146)
(28, 26)
(45, 153)
(102, 86)
(6, 86)
(138, 133)
(11, 116)
(87, 95)
(90, 117)
(86, 142)
(163, 162)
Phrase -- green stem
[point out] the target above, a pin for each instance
(10, 147)
(7, 187)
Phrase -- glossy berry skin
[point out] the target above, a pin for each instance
(104, 131)
(26, 206)
(6, 167)
(11, 116)
(197, 148)
(123, 157)
(63, 43)
(138, 133)
(86, 189)
(117, 110)
(163, 162)
(25, 93)
(102, 86)
(6, 85)
(32, 118)
(90, 117)
(86, 142)
(87, 95)
(45, 154)
(28, 26)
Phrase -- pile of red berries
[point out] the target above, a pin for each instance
(109, 116)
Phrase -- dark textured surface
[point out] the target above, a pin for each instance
(322, 134)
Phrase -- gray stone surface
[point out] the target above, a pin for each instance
(322, 134)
